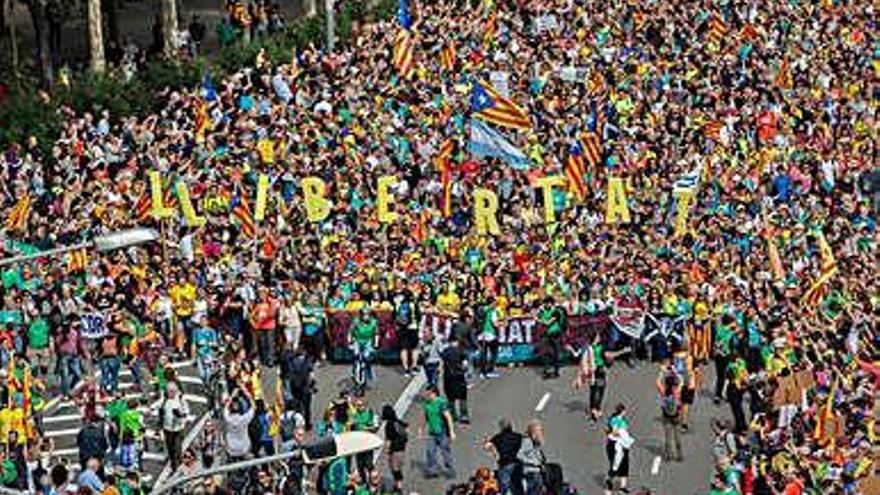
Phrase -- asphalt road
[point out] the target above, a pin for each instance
(521, 394)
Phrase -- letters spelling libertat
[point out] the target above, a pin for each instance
(318, 206)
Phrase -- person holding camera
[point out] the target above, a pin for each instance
(174, 412)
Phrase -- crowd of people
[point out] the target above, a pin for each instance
(769, 272)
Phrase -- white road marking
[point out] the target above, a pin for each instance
(655, 466)
(401, 406)
(543, 402)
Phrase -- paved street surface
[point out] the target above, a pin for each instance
(578, 446)
(64, 420)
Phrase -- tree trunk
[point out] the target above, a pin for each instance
(96, 37)
(169, 28)
(39, 18)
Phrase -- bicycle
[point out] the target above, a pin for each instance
(359, 370)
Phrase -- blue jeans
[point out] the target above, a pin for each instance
(505, 480)
(432, 373)
(438, 444)
(363, 351)
(110, 374)
(534, 483)
(69, 372)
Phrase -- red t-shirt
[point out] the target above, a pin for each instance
(264, 315)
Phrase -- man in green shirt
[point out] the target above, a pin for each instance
(488, 339)
(364, 339)
(552, 317)
(363, 419)
(38, 343)
(440, 431)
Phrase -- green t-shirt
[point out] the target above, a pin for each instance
(489, 321)
(550, 318)
(435, 411)
(723, 336)
(618, 423)
(9, 474)
(363, 420)
(598, 355)
(116, 409)
(130, 420)
(38, 334)
(364, 330)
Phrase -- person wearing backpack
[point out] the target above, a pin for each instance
(406, 319)
(669, 384)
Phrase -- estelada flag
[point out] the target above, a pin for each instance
(490, 29)
(77, 261)
(574, 173)
(142, 207)
(444, 166)
(403, 56)
(489, 105)
(784, 78)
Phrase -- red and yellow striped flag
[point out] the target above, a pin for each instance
(717, 30)
(574, 173)
(748, 33)
(448, 56)
(499, 110)
(18, 216)
(242, 212)
(403, 56)
(784, 78)
(825, 414)
(592, 148)
(596, 84)
(77, 261)
(712, 129)
(490, 29)
(444, 166)
(142, 207)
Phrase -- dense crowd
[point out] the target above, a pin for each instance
(771, 272)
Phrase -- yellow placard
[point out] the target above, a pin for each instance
(546, 184)
(189, 213)
(384, 198)
(485, 210)
(158, 204)
(616, 208)
(262, 197)
(683, 202)
(317, 206)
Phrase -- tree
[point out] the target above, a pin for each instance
(96, 37)
(39, 17)
(169, 28)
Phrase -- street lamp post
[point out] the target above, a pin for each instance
(108, 242)
(330, 10)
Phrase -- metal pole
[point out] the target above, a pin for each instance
(331, 24)
(45, 254)
(225, 468)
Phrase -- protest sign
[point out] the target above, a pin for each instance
(94, 325)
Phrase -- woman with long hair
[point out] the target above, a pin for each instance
(617, 445)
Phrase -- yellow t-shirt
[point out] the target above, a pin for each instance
(448, 301)
(5, 424)
(182, 298)
(17, 424)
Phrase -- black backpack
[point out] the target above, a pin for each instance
(554, 481)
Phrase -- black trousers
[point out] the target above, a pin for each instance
(721, 363)
(552, 352)
(488, 356)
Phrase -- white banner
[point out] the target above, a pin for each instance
(94, 325)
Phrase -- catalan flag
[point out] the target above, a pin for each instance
(403, 56)
(142, 207)
(447, 56)
(717, 30)
(784, 78)
(748, 33)
(202, 120)
(591, 146)
(596, 84)
(825, 414)
(490, 29)
(444, 166)
(574, 173)
(712, 129)
(77, 261)
(489, 105)
(242, 213)
(18, 216)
